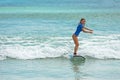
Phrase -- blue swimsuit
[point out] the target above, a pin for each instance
(79, 29)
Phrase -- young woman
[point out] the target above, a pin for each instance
(80, 27)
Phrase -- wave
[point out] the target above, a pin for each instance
(31, 10)
(100, 47)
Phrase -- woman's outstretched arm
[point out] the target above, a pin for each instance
(86, 30)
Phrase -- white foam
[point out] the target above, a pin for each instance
(109, 47)
(100, 47)
(32, 52)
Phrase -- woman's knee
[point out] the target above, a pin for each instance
(77, 45)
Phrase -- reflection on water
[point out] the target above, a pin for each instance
(76, 63)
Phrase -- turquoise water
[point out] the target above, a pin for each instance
(35, 39)
(59, 68)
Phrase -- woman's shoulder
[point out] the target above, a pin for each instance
(80, 25)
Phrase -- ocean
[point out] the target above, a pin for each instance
(35, 39)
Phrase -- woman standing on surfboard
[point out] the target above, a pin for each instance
(80, 27)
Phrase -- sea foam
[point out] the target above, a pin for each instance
(100, 47)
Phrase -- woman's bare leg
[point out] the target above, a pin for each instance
(75, 39)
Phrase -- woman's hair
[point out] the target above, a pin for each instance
(82, 19)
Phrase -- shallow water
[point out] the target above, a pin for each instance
(59, 68)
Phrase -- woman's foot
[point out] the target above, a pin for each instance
(75, 54)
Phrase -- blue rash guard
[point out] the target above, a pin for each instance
(79, 29)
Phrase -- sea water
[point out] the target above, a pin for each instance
(35, 39)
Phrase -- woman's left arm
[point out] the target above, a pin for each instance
(88, 29)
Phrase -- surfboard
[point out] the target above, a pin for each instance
(77, 57)
(77, 60)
